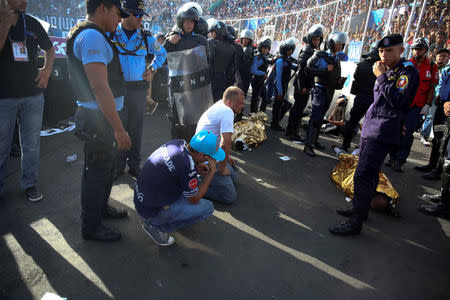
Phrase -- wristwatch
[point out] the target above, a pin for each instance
(152, 69)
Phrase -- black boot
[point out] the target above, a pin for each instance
(102, 233)
(352, 226)
(442, 208)
(432, 197)
(309, 143)
(426, 168)
(435, 174)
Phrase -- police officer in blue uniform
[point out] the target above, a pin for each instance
(259, 72)
(303, 82)
(95, 72)
(283, 71)
(135, 46)
(326, 68)
(395, 88)
(362, 87)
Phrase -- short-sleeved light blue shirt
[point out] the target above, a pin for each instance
(91, 47)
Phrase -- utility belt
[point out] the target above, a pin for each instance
(137, 84)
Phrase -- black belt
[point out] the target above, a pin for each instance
(137, 84)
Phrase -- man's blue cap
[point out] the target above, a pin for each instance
(135, 6)
(118, 3)
(209, 144)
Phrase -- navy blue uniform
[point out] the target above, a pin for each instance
(259, 71)
(322, 94)
(393, 94)
(283, 67)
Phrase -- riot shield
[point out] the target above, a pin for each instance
(190, 83)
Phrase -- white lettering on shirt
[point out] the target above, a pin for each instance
(167, 160)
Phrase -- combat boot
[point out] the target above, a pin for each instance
(352, 226)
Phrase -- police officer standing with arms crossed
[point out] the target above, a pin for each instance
(395, 87)
(134, 46)
(94, 68)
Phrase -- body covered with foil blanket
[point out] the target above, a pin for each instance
(250, 132)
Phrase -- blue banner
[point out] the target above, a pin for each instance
(378, 15)
(354, 51)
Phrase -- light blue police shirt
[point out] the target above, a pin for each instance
(90, 46)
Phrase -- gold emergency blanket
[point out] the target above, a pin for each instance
(344, 171)
(251, 131)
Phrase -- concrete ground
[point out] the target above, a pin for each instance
(273, 243)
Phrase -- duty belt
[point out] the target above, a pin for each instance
(137, 84)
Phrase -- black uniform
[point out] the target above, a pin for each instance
(222, 66)
(188, 41)
(302, 80)
(362, 87)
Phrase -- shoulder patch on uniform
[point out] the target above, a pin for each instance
(408, 64)
(402, 83)
(157, 46)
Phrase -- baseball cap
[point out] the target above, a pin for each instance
(135, 6)
(207, 143)
(118, 3)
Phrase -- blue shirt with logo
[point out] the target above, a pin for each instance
(132, 52)
(91, 47)
(168, 174)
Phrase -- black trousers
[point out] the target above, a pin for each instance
(361, 104)
(296, 113)
(99, 154)
(258, 90)
(132, 116)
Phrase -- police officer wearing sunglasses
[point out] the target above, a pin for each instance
(140, 55)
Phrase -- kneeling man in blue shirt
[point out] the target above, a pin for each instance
(168, 195)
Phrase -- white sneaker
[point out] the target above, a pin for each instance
(425, 142)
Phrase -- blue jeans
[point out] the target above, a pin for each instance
(28, 110)
(412, 120)
(180, 214)
(428, 123)
(221, 188)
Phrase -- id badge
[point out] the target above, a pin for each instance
(20, 51)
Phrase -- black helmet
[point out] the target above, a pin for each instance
(337, 37)
(218, 27)
(265, 41)
(315, 31)
(231, 31)
(287, 45)
(373, 52)
(420, 43)
(190, 10)
(201, 27)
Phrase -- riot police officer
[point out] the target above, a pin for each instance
(395, 87)
(326, 68)
(283, 70)
(362, 87)
(135, 47)
(231, 38)
(222, 58)
(259, 71)
(183, 38)
(303, 82)
(247, 58)
(202, 27)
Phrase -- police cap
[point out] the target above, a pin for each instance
(135, 6)
(390, 40)
(118, 3)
